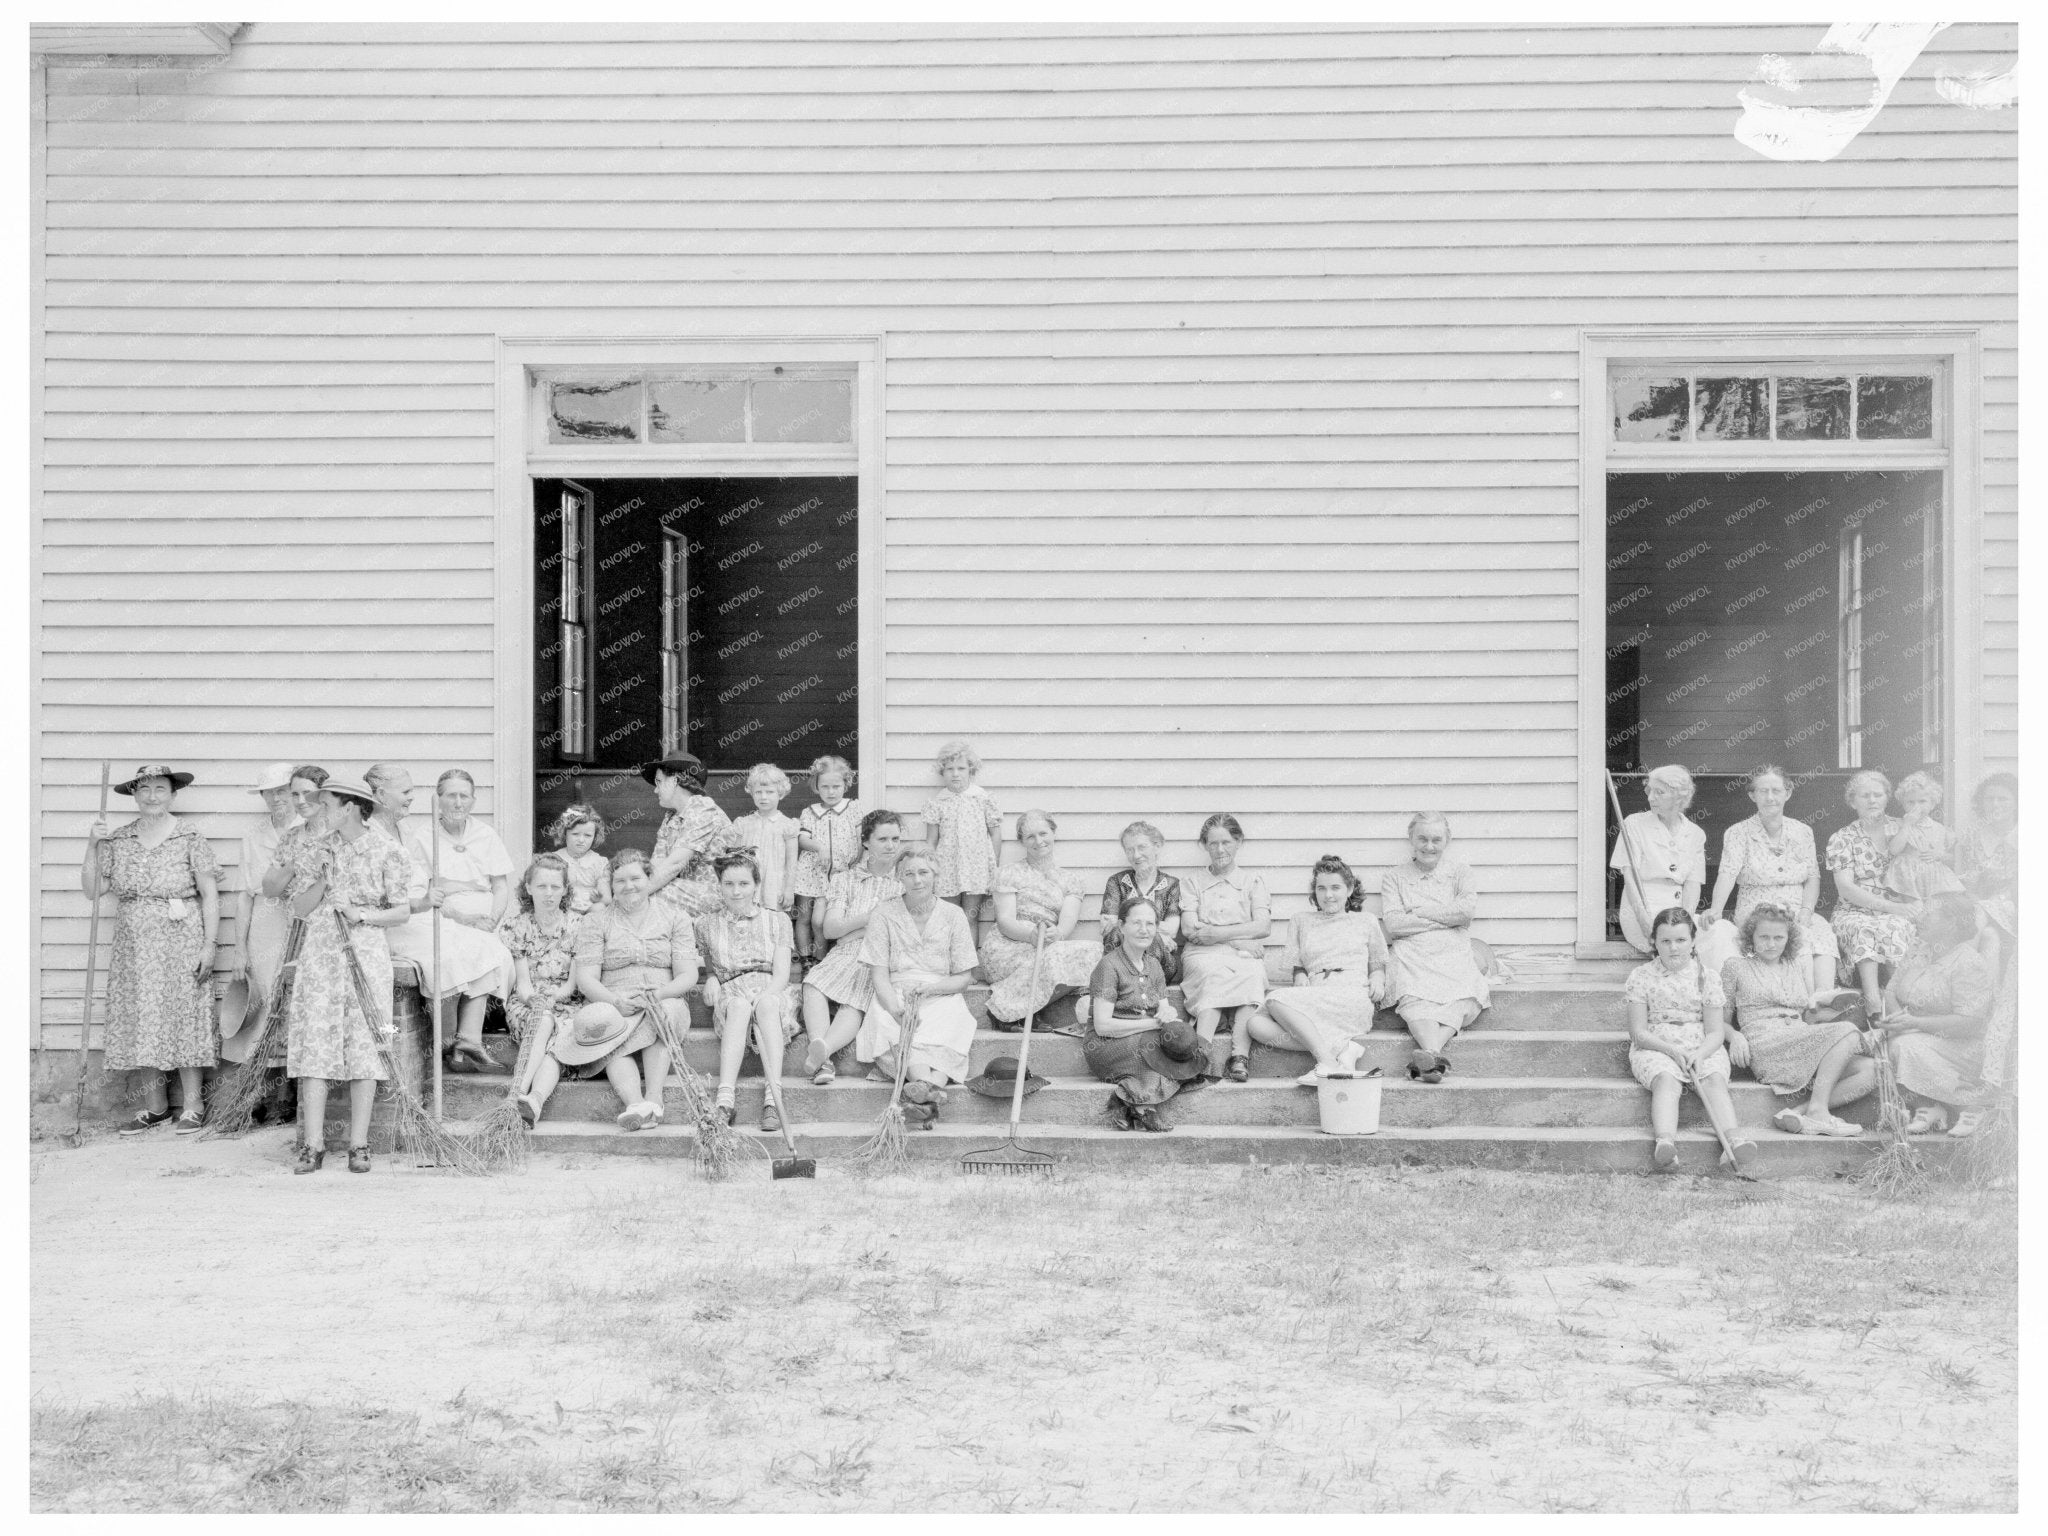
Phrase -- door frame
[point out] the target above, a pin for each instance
(520, 460)
(1957, 349)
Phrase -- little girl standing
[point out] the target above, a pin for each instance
(827, 841)
(1923, 851)
(770, 835)
(579, 833)
(966, 831)
(1675, 1038)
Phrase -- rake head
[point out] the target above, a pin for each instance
(1008, 1158)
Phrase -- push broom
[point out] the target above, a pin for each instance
(1010, 1157)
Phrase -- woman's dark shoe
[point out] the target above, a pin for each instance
(1238, 1069)
(147, 1120)
(770, 1120)
(310, 1159)
(358, 1159)
(1146, 1118)
(1007, 1026)
(722, 1113)
(920, 1105)
(468, 1056)
(1428, 1066)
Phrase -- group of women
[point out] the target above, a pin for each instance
(1924, 929)
(335, 884)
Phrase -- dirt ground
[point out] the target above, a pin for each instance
(211, 1333)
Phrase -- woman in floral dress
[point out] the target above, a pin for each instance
(693, 833)
(365, 879)
(1766, 987)
(1873, 927)
(1223, 966)
(1988, 861)
(1770, 859)
(1426, 907)
(747, 948)
(1033, 897)
(542, 939)
(159, 1000)
(1935, 1009)
(842, 978)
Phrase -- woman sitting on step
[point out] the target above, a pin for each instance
(1338, 958)
(746, 948)
(920, 957)
(1675, 1040)
(1426, 908)
(1935, 1009)
(842, 978)
(1767, 987)
(1223, 967)
(1034, 898)
(635, 958)
(1134, 1037)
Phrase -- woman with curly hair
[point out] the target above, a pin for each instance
(1765, 990)
(1337, 955)
(1874, 926)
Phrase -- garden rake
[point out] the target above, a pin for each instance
(1010, 1157)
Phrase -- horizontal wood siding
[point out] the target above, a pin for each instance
(1231, 429)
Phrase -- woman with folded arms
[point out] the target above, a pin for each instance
(1426, 907)
(840, 988)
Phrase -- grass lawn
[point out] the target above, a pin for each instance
(210, 1333)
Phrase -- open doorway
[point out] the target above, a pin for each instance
(1787, 617)
(716, 616)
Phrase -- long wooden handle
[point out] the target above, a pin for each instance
(1024, 1050)
(92, 958)
(1628, 848)
(434, 874)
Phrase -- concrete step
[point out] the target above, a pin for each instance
(1479, 1052)
(1503, 1102)
(1587, 1149)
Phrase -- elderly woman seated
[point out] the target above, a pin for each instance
(920, 958)
(1134, 1038)
(635, 959)
(1426, 907)
(1765, 990)
(1935, 1009)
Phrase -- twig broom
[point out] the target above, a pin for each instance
(1899, 1168)
(233, 1111)
(719, 1149)
(887, 1150)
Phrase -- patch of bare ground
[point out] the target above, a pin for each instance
(210, 1333)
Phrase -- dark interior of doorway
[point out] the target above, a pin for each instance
(1727, 642)
(767, 630)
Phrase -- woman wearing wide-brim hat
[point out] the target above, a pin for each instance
(694, 831)
(288, 793)
(159, 1013)
(633, 956)
(340, 866)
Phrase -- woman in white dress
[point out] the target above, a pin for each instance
(1426, 907)
(1227, 917)
(1337, 955)
(1661, 855)
(920, 954)
(475, 964)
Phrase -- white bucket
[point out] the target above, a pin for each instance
(1349, 1105)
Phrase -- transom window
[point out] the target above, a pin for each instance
(1727, 404)
(782, 407)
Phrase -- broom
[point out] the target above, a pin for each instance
(887, 1150)
(503, 1137)
(719, 1149)
(420, 1136)
(233, 1111)
(1899, 1168)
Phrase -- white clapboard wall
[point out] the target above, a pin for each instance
(1231, 385)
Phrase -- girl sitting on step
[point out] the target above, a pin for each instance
(1675, 1039)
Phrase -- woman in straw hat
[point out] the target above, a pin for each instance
(290, 796)
(345, 865)
(159, 1014)
(633, 956)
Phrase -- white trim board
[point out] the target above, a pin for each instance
(1959, 349)
(518, 462)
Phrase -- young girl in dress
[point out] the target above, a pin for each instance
(966, 832)
(827, 841)
(746, 949)
(542, 938)
(770, 835)
(578, 833)
(1676, 1038)
(1923, 850)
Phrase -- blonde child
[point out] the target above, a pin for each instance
(1923, 850)
(827, 841)
(579, 832)
(966, 831)
(770, 836)
(1676, 1038)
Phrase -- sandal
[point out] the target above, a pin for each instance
(1664, 1156)
(1238, 1069)
(824, 1076)
(1793, 1123)
(310, 1159)
(358, 1159)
